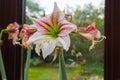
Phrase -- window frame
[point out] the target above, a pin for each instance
(13, 10)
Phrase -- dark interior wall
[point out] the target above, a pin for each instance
(11, 11)
(112, 43)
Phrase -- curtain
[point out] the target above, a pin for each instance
(112, 43)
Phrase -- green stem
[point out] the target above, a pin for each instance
(1, 32)
(27, 65)
(62, 69)
(2, 68)
(22, 64)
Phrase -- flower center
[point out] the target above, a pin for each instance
(55, 31)
(91, 28)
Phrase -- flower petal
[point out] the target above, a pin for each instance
(66, 27)
(98, 34)
(36, 36)
(87, 36)
(56, 9)
(66, 31)
(37, 48)
(46, 20)
(92, 45)
(57, 15)
(47, 49)
(40, 25)
(64, 41)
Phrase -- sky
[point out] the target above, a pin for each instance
(63, 4)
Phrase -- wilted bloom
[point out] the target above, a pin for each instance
(25, 33)
(56, 53)
(13, 31)
(91, 33)
(52, 30)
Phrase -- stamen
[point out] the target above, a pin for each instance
(102, 38)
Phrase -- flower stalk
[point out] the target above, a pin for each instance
(27, 65)
(2, 68)
(62, 69)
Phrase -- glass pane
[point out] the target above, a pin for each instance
(81, 64)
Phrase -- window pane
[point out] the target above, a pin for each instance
(80, 62)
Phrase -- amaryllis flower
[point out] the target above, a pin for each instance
(52, 30)
(13, 31)
(91, 33)
(25, 33)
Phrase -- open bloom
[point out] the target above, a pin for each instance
(52, 30)
(25, 33)
(13, 31)
(91, 33)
